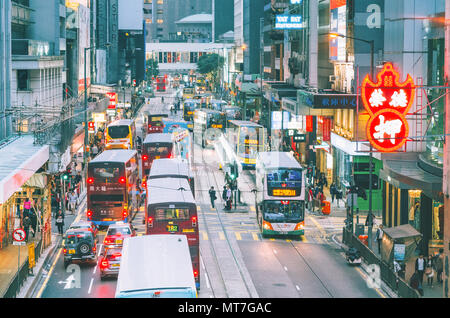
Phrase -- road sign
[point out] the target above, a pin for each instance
(19, 243)
(19, 235)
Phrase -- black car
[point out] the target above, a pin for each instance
(80, 245)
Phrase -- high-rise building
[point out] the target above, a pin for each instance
(223, 18)
(160, 16)
(5, 66)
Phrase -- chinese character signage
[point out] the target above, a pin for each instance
(283, 22)
(387, 101)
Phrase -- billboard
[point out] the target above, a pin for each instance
(288, 22)
(101, 66)
(338, 24)
(131, 14)
(83, 42)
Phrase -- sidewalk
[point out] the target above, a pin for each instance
(9, 257)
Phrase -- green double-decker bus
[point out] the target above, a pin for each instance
(361, 178)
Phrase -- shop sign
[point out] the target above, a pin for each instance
(299, 137)
(91, 127)
(309, 123)
(326, 129)
(399, 252)
(326, 101)
(387, 101)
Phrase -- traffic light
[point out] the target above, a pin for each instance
(65, 176)
(234, 172)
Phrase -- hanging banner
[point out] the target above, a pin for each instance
(387, 101)
(326, 129)
(309, 123)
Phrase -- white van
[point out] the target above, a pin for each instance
(156, 266)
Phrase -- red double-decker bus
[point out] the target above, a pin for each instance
(111, 183)
(171, 209)
(155, 146)
(155, 123)
(161, 83)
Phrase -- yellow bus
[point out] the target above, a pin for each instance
(188, 92)
(120, 134)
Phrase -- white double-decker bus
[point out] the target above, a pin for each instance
(280, 196)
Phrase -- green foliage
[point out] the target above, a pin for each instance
(152, 68)
(210, 63)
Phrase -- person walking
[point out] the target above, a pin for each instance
(26, 223)
(379, 236)
(212, 196)
(27, 207)
(60, 223)
(333, 191)
(311, 199)
(224, 193)
(228, 202)
(420, 268)
(34, 221)
(439, 264)
(429, 270)
(73, 198)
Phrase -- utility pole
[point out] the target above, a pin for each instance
(446, 164)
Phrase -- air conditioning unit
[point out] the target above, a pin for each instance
(333, 78)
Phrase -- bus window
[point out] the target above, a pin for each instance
(118, 131)
(171, 214)
(100, 174)
(94, 198)
(283, 211)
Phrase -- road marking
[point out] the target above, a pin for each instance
(285, 268)
(272, 239)
(255, 236)
(48, 275)
(252, 208)
(304, 239)
(289, 241)
(205, 235)
(297, 287)
(238, 236)
(222, 236)
(90, 285)
(364, 276)
(275, 251)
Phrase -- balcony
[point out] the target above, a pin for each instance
(31, 47)
(20, 14)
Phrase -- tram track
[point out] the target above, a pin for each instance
(211, 180)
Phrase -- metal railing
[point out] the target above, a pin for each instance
(396, 283)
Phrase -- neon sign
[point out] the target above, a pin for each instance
(387, 102)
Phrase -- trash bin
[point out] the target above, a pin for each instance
(364, 239)
(326, 207)
(359, 229)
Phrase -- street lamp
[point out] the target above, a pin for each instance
(86, 132)
(369, 216)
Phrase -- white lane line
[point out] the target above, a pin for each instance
(297, 287)
(90, 285)
(285, 268)
(275, 251)
(203, 264)
(207, 281)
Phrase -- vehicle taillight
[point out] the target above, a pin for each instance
(145, 157)
(125, 213)
(116, 255)
(90, 180)
(89, 214)
(171, 156)
(122, 180)
(195, 273)
(299, 226)
(104, 263)
(194, 221)
(94, 249)
(150, 221)
(144, 185)
(65, 251)
(284, 202)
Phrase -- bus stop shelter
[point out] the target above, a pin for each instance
(399, 243)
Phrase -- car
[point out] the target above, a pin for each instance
(80, 246)
(85, 225)
(117, 233)
(110, 262)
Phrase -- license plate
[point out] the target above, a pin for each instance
(107, 219)
(157, 157)
(71, 251)
(283, 232)
(115, 265)
(172, 228)
(190, 126)
(119, 241)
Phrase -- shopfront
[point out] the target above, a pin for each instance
(413, 196)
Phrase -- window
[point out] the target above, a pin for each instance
(148, 21)
(160, 2)
(118, 131)
(160, 21)
(22, 80)
(148, 1)
(171, 214)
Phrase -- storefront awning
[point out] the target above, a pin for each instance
(406, 174)
(19, 161)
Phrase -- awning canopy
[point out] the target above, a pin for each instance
(402, 232)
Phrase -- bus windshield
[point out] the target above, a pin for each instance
(171, 214)
(106, 173)
(188, 90)
(290, 177)
(118, 131)
(159, 150)
(250, 150)
(283, 211)
(250, 134)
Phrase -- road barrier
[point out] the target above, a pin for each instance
(396, 283)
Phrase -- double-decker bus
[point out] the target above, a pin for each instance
(161, 83)
(171, 209)
(217, 104)
(280, 198)
(120, 134)
(155, 123)
(246, 138)
(205, 119)
(189, 107)
(188, 92)
(155, 146)
(111, 183)
(232, 112)
(172, 168)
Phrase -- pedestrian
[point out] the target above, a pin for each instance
(212, 196)
(94, 150)
(420, 268)
(26, 223)
(229, 197)
(27, 207)
(162, 99)
(439, 264)
(60, 223)
(379, 236)
(73, 198)
(415, 284)
(429, 270)
(338, 196)
(311, 199)
(333, 191)
(34, 220)
(224, 193)
(320, 200)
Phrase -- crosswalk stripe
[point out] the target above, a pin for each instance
(205, 235)
(222, 236)
(238, 236)
(252, 208)
(255, 237)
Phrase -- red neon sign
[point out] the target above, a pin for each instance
(387, 102)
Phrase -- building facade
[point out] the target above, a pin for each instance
(5, 76)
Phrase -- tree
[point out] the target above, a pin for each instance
(152, 69)
(210, 64)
